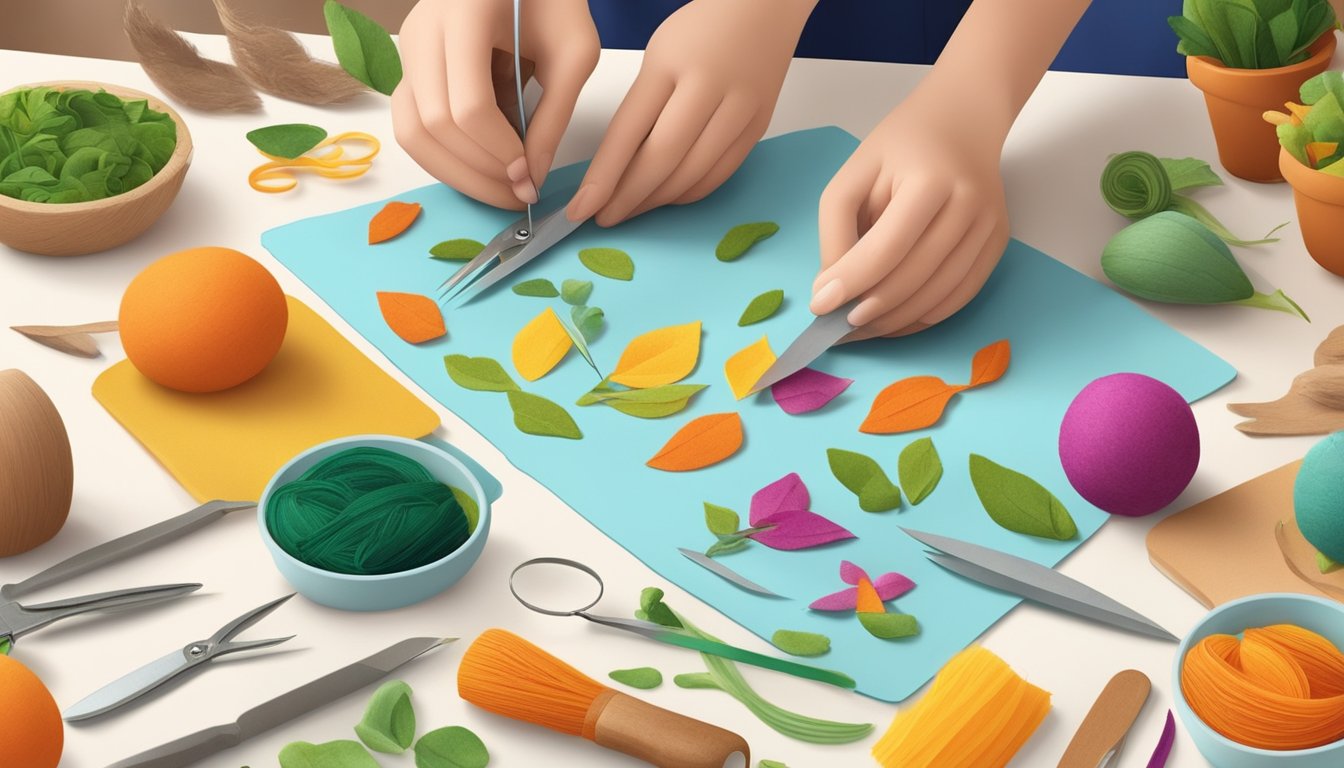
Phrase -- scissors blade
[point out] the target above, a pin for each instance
(128, 687)
(551, 229)
(824, 332)
(1034, 581)
(724, 572)
(497, 248)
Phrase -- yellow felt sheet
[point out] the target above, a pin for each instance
(226, 445)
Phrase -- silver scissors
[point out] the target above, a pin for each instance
(523, 240)
(1033, 581)
(18, 619)
(823, 333)
(133, 685)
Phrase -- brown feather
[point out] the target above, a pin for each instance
(275, 61)
(179, 69)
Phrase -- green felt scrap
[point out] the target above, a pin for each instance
(288, 140)
(389, 719)
(695, 681)
(643, 678)
(762, 308)
(608, 262)
(333, 754)
(539, 287)
(651, 403)
(588, 320)
(919, 469)
(576, 292)
(363, 47)
(889, 626)
(771, 764)
(652, 608)
(741, 238)
(727, 544)
(721, 521)
(451, 747)
(482, 374)
(865, 479)
(1325, 564)
(470, 508)
(1019, 503)
(536, 415)
(5, 646)
(797, 643)
(460, 249)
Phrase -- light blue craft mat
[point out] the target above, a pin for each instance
(1065, 329)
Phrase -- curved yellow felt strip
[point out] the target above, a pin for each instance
(331, 164)
(540, 345)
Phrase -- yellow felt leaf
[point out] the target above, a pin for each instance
(1298, 111)
(745, 367)
(540, 345)
(660, 357)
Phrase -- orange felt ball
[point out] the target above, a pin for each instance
(31, 733)
(203, 319)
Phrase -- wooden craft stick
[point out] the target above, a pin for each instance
(1114, 712)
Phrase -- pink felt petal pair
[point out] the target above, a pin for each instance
(785, 494)
(807, 390)
(889, 586)
(797, 529)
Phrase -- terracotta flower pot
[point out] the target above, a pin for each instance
(1320, 210)
(1236, 98)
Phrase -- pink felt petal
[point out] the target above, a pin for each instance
(851, 573)
(798, 529)
(844, 600)
(788, 492)
(892, 585)
(807, 390)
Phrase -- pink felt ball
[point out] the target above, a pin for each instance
(1129, 444)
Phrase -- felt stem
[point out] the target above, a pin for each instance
(1277, 301)
(1183, 204)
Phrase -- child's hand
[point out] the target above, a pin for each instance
(445, 110)
(704, 96)
(914, 222)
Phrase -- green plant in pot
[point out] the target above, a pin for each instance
(1248, 56)
(1312, 160)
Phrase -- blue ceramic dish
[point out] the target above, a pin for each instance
(1325, 617)
(390, 590)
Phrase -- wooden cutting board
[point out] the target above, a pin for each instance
(1224, 548)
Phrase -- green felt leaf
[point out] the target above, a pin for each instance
(651, 403)
(727, 545)
(889, 626)
(919, 469)
(762, 307)
(576, 292)
(643, 678)
(470, 509)
(721, 521)
(1019, 503)
(742, 237)
(389, 719)
(695, 681)
(864, 478)
(451, 747)
(580, 343)
(608, 262)
(540, 288)
(771, 764)
(1170, 257)
(5, 646)
(1295, 138)
(332, 754)
(588, 320)
(536, 415)
(797, 643)
(461, 249)
(1251, 34)
(1323, 562)
(1189, 173)
(1317, 87)
(363, 47)
(287, 140)
(1326, 119)
(482, 374)
(653, 608)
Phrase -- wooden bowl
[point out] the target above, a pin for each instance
(74, 229)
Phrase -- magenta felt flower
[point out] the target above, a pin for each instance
(779, 519)
(867, 597)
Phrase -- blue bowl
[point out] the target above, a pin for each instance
(389, 590)
(1324, 617)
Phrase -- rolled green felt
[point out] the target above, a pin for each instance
(723, 650)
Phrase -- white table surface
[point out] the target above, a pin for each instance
(1052, 163)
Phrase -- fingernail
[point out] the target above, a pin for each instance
(526, 191)
(517, 170)
(582, 207)
(828, 298)
(865, 313)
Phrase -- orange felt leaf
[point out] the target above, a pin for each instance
(392, 220)
(990, 363)
(747, 365)
(868, 601)
(659, 357)
(702, 442)
(413, 317)
(909, 404)
(540, 345)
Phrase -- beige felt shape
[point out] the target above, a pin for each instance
(1109, 720)
(1314, 405)
(1224, 548)
(226, 445)
(71, 339)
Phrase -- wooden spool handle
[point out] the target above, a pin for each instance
(666, 739)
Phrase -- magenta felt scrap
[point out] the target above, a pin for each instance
(808, 390)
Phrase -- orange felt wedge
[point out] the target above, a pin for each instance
(867, 600)
(702, 442)
(659, 357)
(392, 220)
(413, 317)
(1320, 150)
(747, 365)
(909, 404)
(540, 345)
(990, 363)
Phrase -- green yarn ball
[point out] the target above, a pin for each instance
(1318, 497)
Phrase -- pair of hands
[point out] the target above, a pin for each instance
(913, 223)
